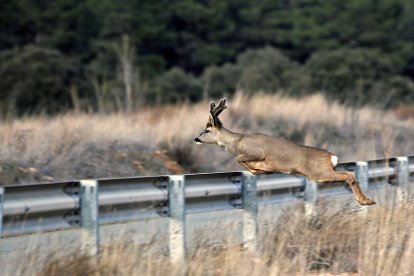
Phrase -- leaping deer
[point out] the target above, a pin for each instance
(261, 154)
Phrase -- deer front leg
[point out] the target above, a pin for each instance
(253, 171)
(244, 158)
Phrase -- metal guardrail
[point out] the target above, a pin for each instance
(87, 204)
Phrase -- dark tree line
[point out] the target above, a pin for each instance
(61, 54)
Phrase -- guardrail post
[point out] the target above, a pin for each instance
(402, 170)
(401, 177)
(176, 206)
(1, 210)
(311, 198)
(249, 195)
(361, 174)
(89, 211)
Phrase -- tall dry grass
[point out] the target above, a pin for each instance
(160, 140)
(382, 243)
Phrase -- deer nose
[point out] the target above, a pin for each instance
(197, 140)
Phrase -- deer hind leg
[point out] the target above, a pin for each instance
(352, 182)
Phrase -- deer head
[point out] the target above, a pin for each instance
(212, 132)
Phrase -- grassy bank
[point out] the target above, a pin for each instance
(160, 140)
(337, 244)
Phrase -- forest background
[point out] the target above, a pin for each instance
(111, 55)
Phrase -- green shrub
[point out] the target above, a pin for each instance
(357, 76)
(221, 80)
(265, 69)
(35, 79)
(174, 86)
(393, 91)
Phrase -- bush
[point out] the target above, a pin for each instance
(221, 81)
(400, 89)
(357, 76)
(35, 79)
(174, 86)
(265, 70)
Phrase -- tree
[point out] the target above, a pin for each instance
(34, 79)
(126, 57)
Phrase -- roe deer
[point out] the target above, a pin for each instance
(260, 154)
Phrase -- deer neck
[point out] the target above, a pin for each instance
(229, 140)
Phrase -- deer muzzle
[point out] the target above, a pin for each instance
(198, 141)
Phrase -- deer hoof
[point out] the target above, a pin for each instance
(366, 201)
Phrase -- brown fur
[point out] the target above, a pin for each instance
(261, 154)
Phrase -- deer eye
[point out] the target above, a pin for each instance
(206, 131)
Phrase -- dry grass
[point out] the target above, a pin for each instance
(382, 243)
(160, 140)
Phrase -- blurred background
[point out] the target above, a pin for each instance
(115, 88)
(111, 55)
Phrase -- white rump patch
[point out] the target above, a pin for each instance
(334, 160)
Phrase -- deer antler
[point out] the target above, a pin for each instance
(212, 106)
(216, 110)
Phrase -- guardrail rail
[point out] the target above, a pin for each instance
(26, 209)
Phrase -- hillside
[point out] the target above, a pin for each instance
(160, 140)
